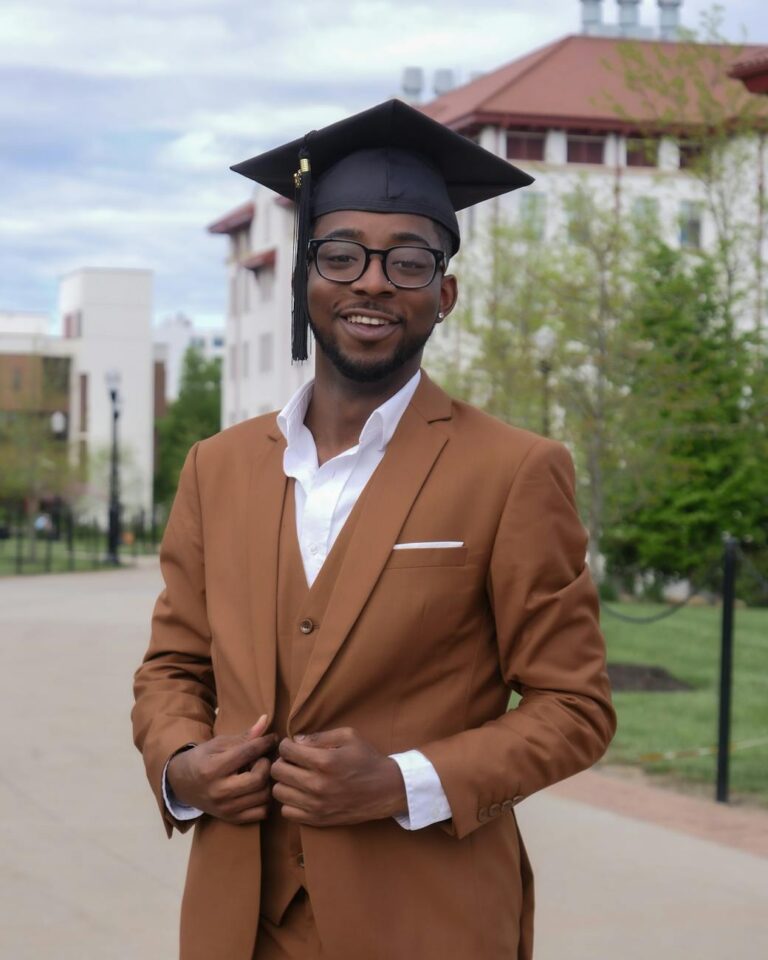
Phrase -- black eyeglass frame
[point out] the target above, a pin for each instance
(441, 261)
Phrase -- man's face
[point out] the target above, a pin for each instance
(366, 352)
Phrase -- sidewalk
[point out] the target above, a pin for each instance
(88, 873)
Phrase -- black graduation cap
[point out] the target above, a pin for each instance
(388, 159)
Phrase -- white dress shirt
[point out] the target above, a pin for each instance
(324, 497)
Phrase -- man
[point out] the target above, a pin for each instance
(354, 588)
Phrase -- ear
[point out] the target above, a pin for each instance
(449, 292)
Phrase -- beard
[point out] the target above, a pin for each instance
(370, 371)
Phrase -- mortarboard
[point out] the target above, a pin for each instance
(389, 159)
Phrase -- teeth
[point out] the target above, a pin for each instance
(368, 321)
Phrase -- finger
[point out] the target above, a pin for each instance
(329, 739)
(259, 798)
(246, 752)
(302, 755)
(254, 815)
(240, 784)
(299, 815)
(258, 728)
(284, 772)
(293, 797)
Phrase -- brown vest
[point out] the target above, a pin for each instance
(281, 872)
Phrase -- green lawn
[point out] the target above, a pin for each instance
(54, 557)
(687, 644)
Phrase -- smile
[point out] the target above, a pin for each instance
(368, 321)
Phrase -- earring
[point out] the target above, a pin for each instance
(441, 316)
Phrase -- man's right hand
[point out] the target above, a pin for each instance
(226, 777)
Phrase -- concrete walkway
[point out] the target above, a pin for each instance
(87, 871)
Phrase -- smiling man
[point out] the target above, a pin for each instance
(354, 588)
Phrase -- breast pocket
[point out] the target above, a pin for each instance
(428, 557)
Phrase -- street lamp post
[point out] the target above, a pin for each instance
(113, 529)
(544, 341)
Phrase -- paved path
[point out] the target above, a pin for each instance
(87, 871)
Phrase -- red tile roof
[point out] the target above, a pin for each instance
(567, 84)
(258, 261)
(234, 220)
(753, 72)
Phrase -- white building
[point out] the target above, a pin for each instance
(258, 375)
(551, 112)
(106, 326)
(176, 334)
(107, 315)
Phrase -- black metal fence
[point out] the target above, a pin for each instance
(61, 542)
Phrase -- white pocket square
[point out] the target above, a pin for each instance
(429, 544)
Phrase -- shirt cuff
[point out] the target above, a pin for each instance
(427, 802)
(176, 809)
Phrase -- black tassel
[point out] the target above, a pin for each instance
(302, 224)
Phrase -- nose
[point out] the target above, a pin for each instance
(374, 280)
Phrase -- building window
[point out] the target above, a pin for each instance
(533, 213)
(218, 342)
(690, 224)
(266, 350)
(266, 281)
(642, 152)
(525, 146)
(72, 324)
(585, 149)
(244, 359)
(691, 153)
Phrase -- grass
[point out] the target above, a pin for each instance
(54, 557)
(687, 644)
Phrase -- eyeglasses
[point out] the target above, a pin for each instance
(344, 261)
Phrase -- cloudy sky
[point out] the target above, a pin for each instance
(119, 118)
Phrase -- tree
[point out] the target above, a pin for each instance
(693, 462)
(684, 92)
(194, 415)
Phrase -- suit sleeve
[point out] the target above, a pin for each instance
(550, 650)
(175, 695)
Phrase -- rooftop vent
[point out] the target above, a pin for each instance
(413, 83)
(669, 19)
(591, 16)
(443, 82)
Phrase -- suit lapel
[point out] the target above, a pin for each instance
(265, 508)
(389, 496)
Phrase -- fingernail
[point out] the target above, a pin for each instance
(262, 718)
(299, 737)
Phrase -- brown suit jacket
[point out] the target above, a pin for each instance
(418, 649)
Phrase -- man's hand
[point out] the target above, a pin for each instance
(226, 777)
(336, 778)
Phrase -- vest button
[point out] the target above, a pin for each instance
(306, 626)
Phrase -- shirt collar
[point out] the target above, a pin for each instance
(378, 428)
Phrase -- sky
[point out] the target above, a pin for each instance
(119, 119)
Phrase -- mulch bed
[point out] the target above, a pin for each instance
(643, 678)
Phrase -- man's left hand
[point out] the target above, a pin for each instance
(336, 778)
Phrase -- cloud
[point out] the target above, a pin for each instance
(119, 120)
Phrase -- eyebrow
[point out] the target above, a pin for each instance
(347, 233)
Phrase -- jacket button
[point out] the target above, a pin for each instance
(306, 626)
(300, 859)
(507, 806)
(482, 814)
(494, 810)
